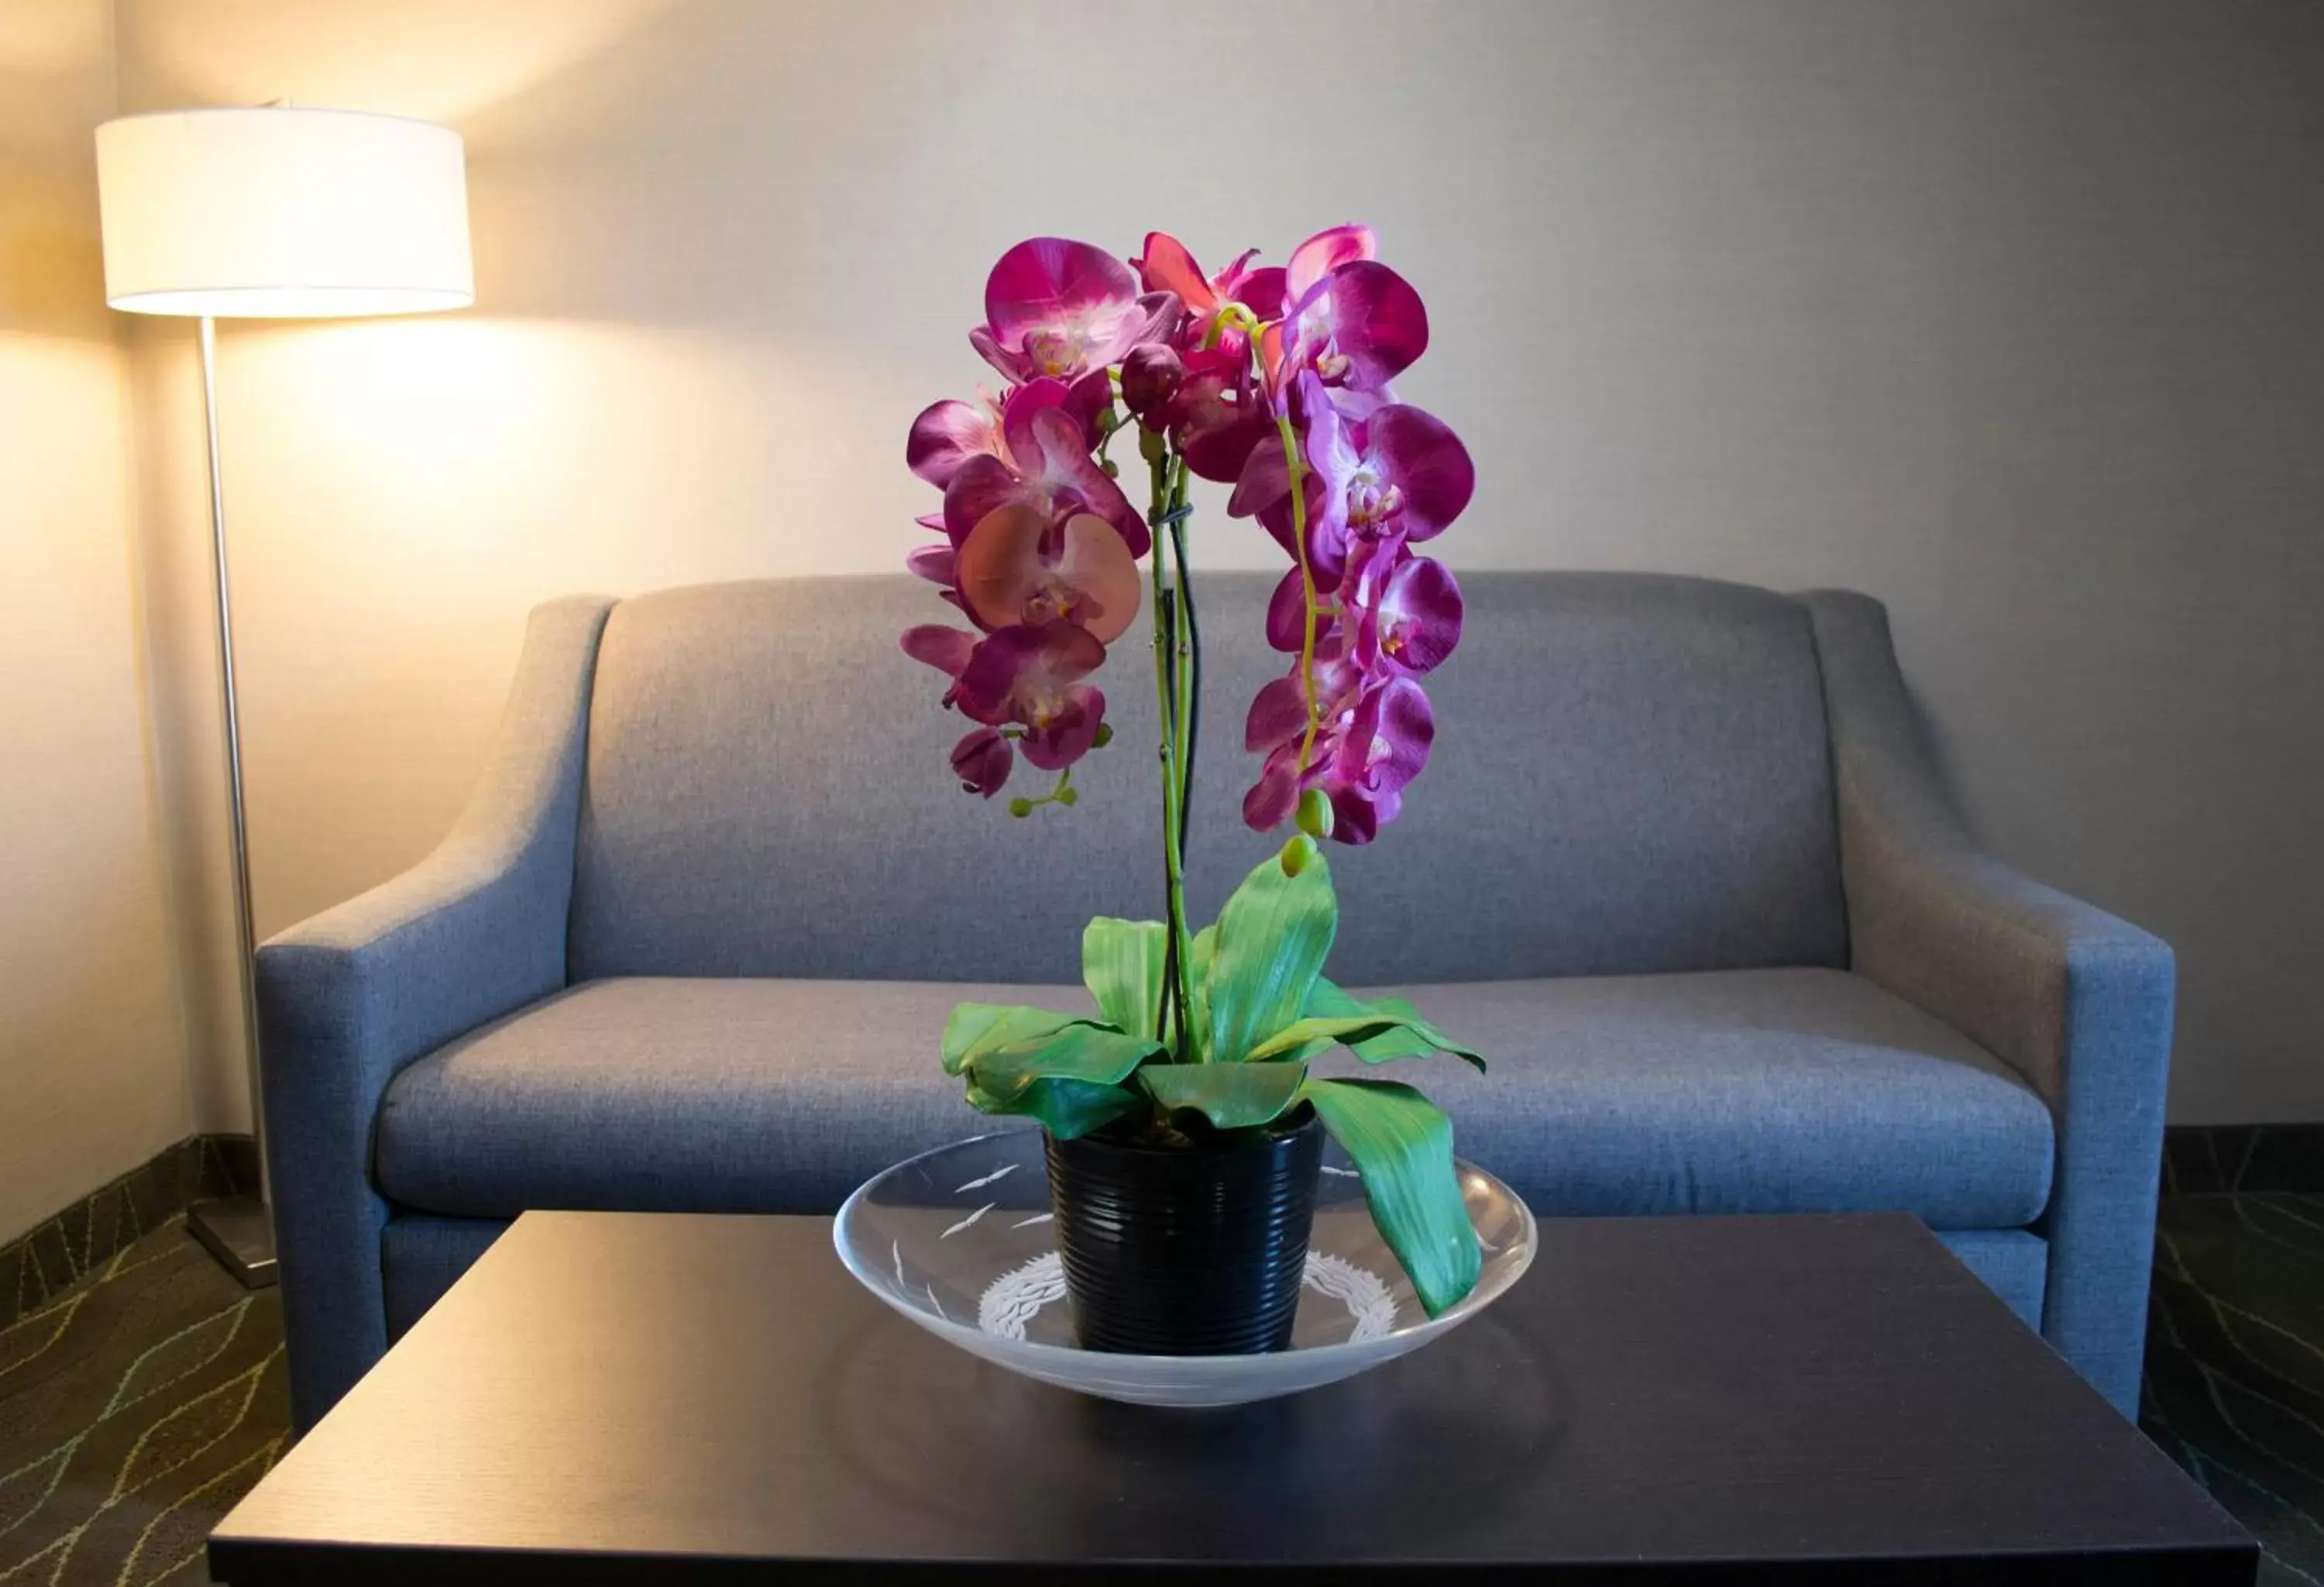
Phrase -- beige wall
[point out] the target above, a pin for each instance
(2009, 313)
(93, 1075)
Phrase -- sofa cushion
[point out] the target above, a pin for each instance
(1769, 1090)
(1730, 1092)
(1631, 775)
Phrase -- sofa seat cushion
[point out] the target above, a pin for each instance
(666, 1094)
(1759, 1091)
(1733, 1092)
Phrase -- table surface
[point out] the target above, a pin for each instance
(615, 1398)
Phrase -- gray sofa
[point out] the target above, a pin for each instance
(1680, 866)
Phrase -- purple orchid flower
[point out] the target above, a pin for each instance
(1064, 310)
(1020, 568)
(1407, 621)
(1358, 327)
(1400, 471)
(1050, 470)
(947, 434)
(1166, 266)
(1031, 676)
(1026, 678)
(1373, 741)
(982, 762)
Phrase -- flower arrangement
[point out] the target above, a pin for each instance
(1273, 380)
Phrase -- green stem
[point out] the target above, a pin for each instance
(1178, 955)
(1297, 467)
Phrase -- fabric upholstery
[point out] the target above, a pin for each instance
(2079, 1001)
(700, 1096)
(1630, 776)
(1767, 1091)
(421, 1256)
(346, 998)
(1636, 776)
(2011, 1262)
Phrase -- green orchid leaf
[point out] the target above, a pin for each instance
(1273, 937)
(1389, 1029)
(1232, 1096)
(975, 1029)
(1091, 1054)
(1065, 1108)
(1199, 954)
(1403, 1145)
(1121, 965)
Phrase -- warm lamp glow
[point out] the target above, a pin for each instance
(282, 213)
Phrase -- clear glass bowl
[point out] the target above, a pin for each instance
(959, 1240)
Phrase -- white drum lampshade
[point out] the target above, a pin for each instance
(282, 213)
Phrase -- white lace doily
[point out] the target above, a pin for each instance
(1011, 1300)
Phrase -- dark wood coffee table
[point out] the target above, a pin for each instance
(615, 1398)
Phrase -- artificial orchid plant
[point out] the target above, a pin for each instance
(1275, 379)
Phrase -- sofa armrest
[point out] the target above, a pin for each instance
(2079, 1002)
(346, 998)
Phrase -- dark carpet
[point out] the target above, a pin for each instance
(136, 1408)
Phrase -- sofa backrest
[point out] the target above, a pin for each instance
(1631, 776)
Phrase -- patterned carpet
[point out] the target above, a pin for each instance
(137, 1406)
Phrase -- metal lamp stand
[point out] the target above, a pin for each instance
(238, 1230)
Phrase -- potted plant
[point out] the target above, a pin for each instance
(1182, 1126)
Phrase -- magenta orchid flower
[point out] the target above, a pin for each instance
(1217, 375)
(1375, 738)
(1064, 309)
(1323, 254)
(1048, 469)
(1360, 326)
(1411, 623)
(1399, 472)
(1031, 676)
(1167, 267)
(947, 434)
(982, 762)
(1019, 566)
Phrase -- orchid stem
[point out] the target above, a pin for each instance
(1178, 953)
(1297, 467)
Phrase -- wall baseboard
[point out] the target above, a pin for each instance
(58, 1251)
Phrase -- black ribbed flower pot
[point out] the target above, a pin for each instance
(1190, 1249)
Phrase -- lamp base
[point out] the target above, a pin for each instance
(238, 1232)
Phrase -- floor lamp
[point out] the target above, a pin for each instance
(273, 213)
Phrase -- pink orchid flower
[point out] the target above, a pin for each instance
(1400, 471)
(1019, 566)
(1167, 267)
(1371, 746)
(1050, 470)
(982, 762)
(1064, 310)
(1023, 678)
(1359, 326)
(1031, 676)
(947, 434)
(1409, 620)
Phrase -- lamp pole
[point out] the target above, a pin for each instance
(238, 1230)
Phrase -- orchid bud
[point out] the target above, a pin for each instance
(1021, 808)
(1067, 796)
(982, 761)
(1298, 853)
(1149, 378)
(1104, 735)
(1315, 813)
